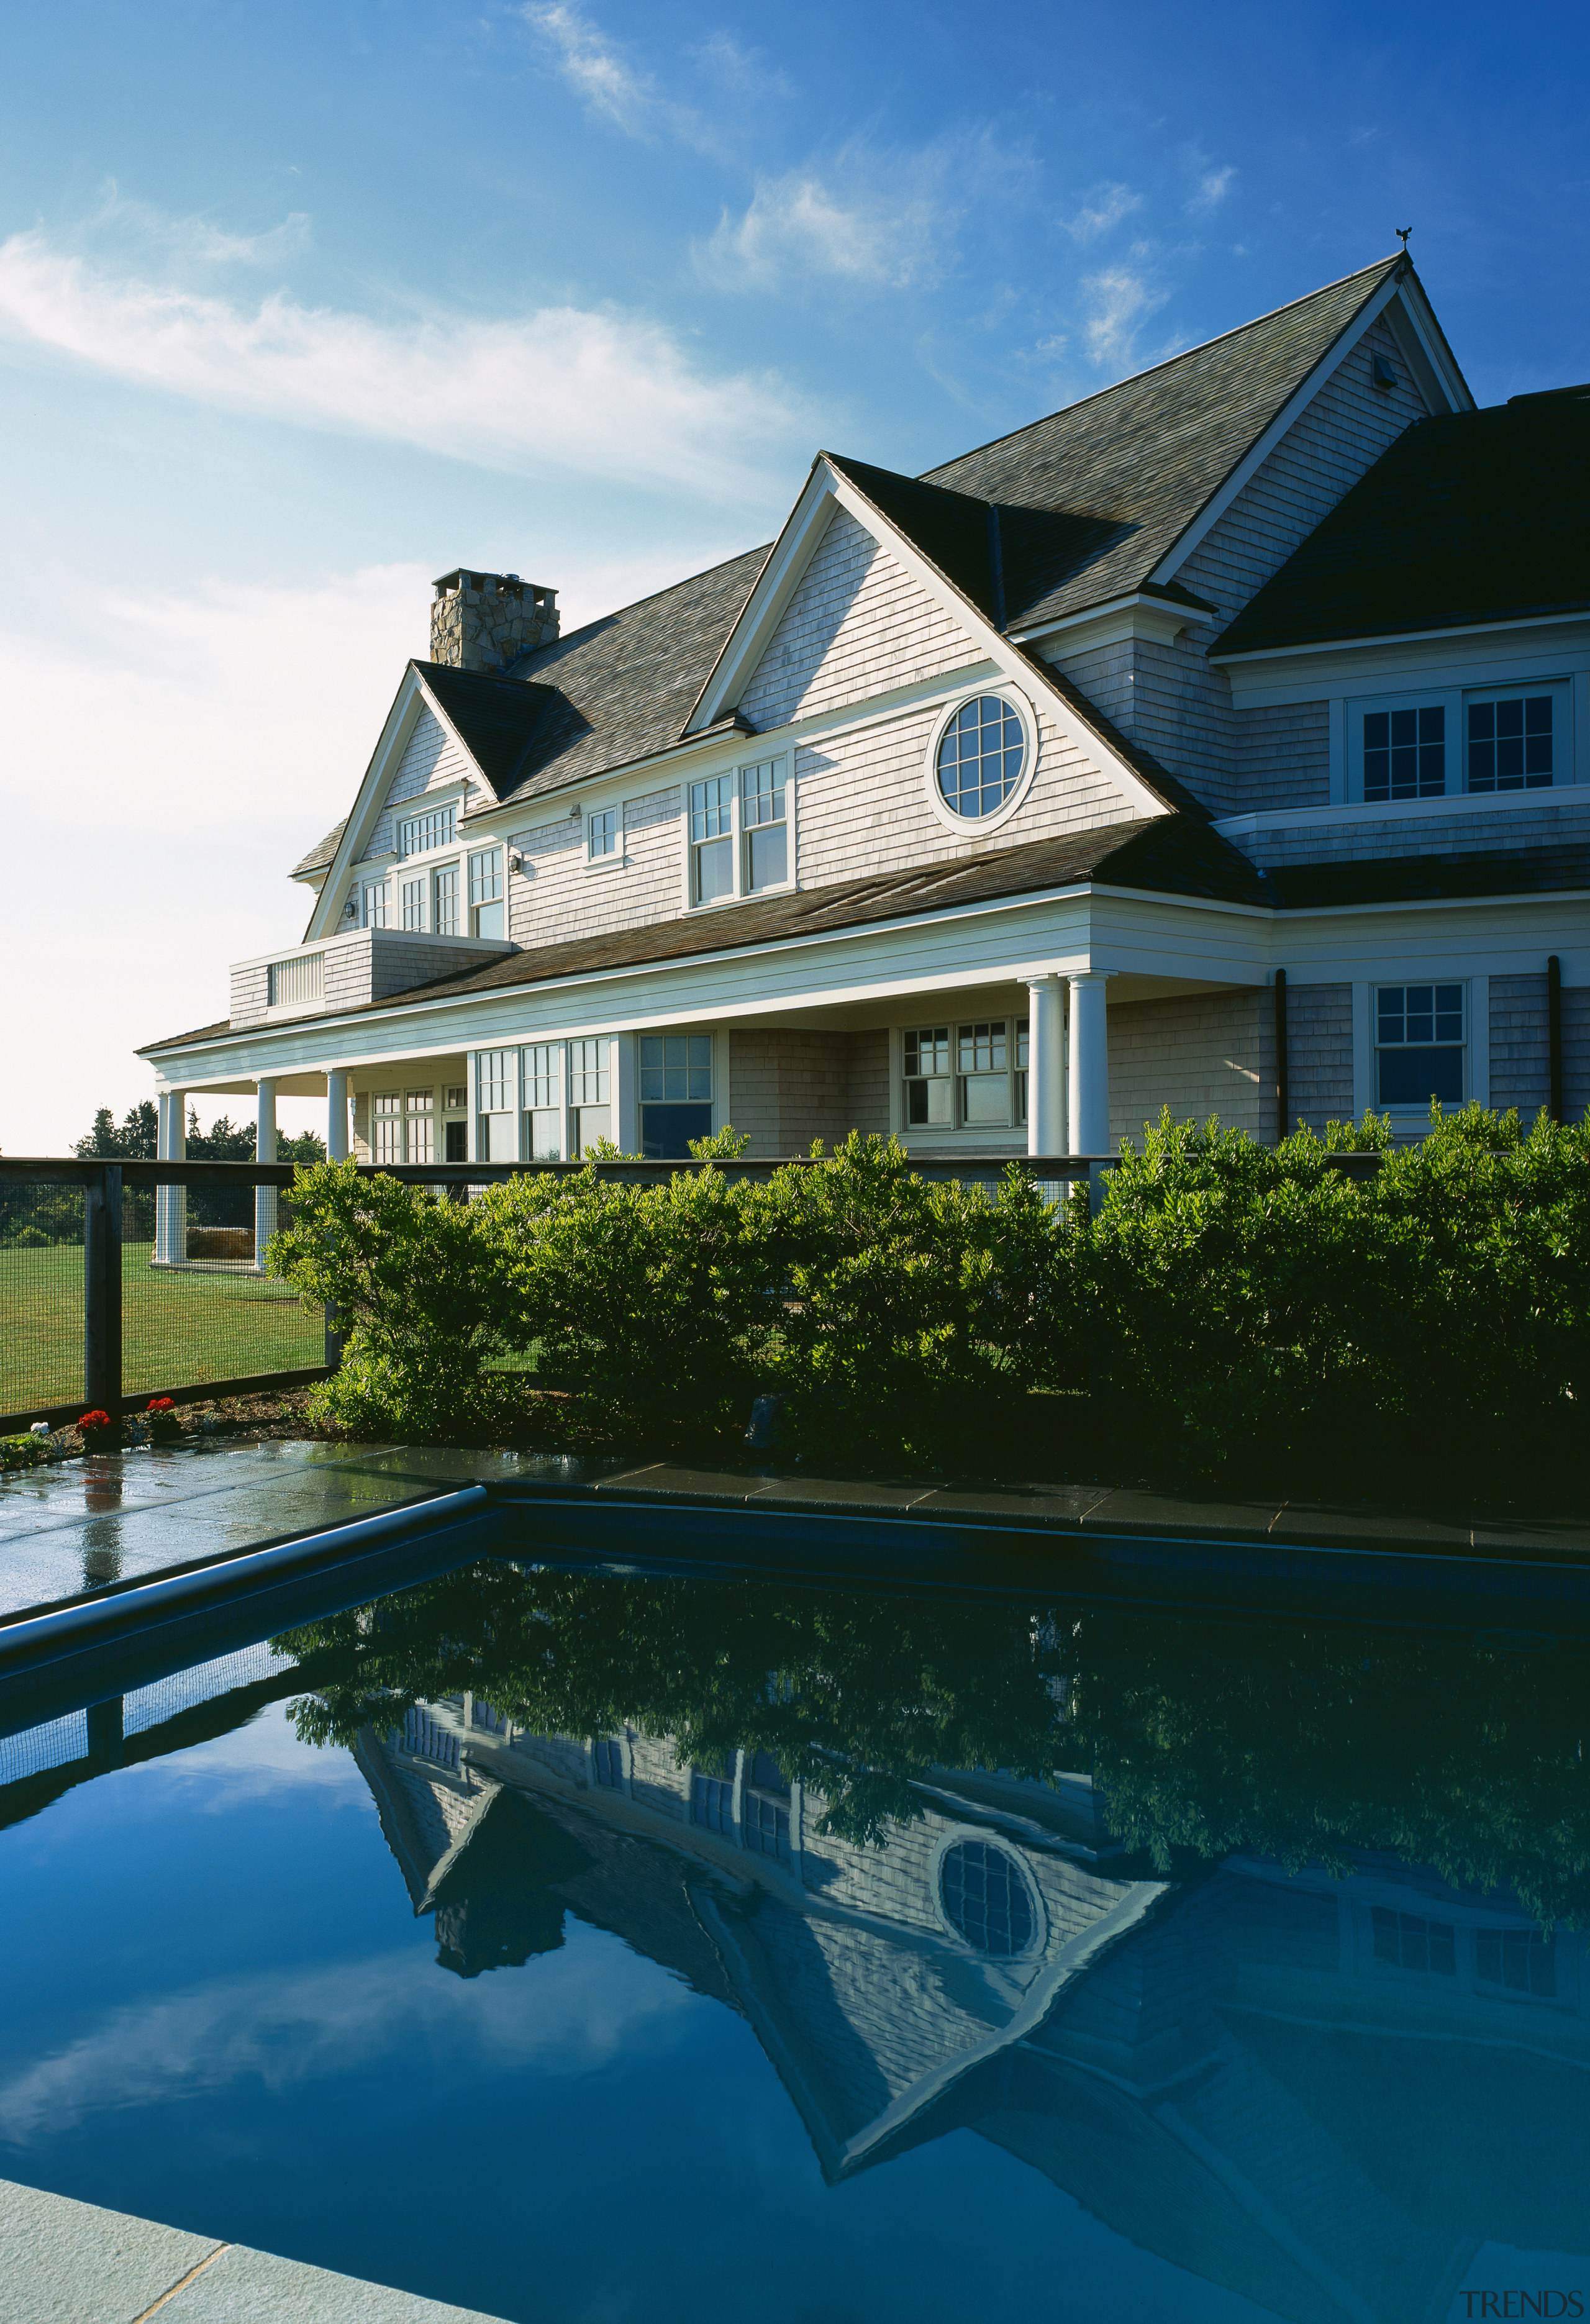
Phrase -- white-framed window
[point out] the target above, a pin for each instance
(488, 911)
(982, 1068)
(590, 1093)
(1515, 737)
(1421, 1034)
(981, 757)
(1516, 1960)
(764, 826)
(455, 1127)
(375, 903)
(541, 1088)
(675, 1092)
(1411, 1941)
(602, 836)
(493, 1132)
(712, 1799)
(413, 901)
(1402, 751)
(436, 826)
(712, 839)
(420, 1122)
(1024, 1035)
(444, 889)
(386, 1126)
(740, 841)
(764, 1807)
(929, 1089)
(984, 1896)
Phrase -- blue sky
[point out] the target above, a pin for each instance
(300, 306)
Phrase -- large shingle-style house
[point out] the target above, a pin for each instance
(1215, 742)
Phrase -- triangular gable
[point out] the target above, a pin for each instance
(941, 516)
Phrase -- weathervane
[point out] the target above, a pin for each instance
(1402, 234)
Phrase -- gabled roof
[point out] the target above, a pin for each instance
(1470, 518)
(320, 856)
(1107, 486)
(493, 717)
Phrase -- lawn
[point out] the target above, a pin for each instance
(178, 1330)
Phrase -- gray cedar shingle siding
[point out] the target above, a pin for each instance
(788, 1086)
(1319, 1053)
(1520, 1064)
(1202, 1054)
(431, 759)
(1576, 1052)
(1281, 755)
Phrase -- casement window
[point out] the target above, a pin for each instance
(488, 911)
(1405, 753)
(386, 1126)
(1512, 737)
(445, 900)
(540, 1068)
(1411, 1941)
(413, 901)
(980, 758)
(420, 1120)
(494, 1134)
(435, 827)
(1518, 1960)
(740, 841)
(455, 1127)
(590, 1093)
(602, 836)
(766, 833)
(676, 1094)
(1421, 1044)
(376, 903)
(960, 1077)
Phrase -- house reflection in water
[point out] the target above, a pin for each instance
(1322, 2094)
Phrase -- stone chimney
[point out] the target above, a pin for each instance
(484, 621)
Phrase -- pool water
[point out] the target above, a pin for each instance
(576, 1946)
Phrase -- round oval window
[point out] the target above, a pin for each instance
(985, 1897)
(981, 754)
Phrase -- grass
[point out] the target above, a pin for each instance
(178, 1330)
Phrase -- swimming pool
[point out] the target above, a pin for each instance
(572, 1944)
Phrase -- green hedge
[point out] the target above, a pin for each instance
(1233, 1311)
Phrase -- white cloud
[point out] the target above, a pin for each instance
(1212, 188)
(796, 225)
(600, 392)
(746, 71)
(197, 241)
(1119, 303)
(599, 72)
(1103, 206)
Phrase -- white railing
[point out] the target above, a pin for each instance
(294, 983)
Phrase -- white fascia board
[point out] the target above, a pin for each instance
(1253, 459)
(1402, 638)
(1412, 323)
(1022, 669)
(771, 592)
(1354, 816)
(367, 802)
(1134, 615)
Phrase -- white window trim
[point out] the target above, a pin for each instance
(734, 767)
(1454, 693)
(619, 859)
(956, 1836)
(1477, 1045)
(974, 826)
(970, 1135)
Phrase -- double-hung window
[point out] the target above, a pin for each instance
(413, 896)
(590, 1093)
(494, 1106)
(377, 904)
(676, 1094)
(1421, 1044)
(488, 911)
(541, 1066)
(1405, 753)
(420, 1120)
(386, 1126)
(445, 900)
(960, 1077)
(929, 1089)
(712, 839)
(763, 821)
(602, 836)
(980, 1060)
(434, 826)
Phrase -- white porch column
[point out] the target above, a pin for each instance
(1090, 1065)
(627, 1113)
(337, 1117)
(265, 1197)
(1046, 1067)
(170, 1202)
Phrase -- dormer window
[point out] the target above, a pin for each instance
(712, 840)
(436, 827)
(1510, 738)
(1405, 753)
(1483, 740)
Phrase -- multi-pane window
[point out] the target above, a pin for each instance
(376, 903)
(927, 1085)
(675, 1093)
(607, 1762)
(980, 757)
(1520, 1960)
(413, 896)
(488, 914)
(1405, 753)
(764, 1806)
(986, 1896)
(495, 1094)
(712, 840)
(1024, 1035)
(1510, 741)
(541, 1066)
(419, 1116)
(495, 1081)
(435, 827)
(712, 1800)
(445, 900)
(981, 1062)
(1419, 1048)
(591, 1092)
(761, 815)
(603, 841)
(386, 1126)
(1409, 1941)
(455, 1099)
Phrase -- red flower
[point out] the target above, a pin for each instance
(95, 1420)
(162, 1403)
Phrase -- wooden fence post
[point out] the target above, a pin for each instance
(102, 1291)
